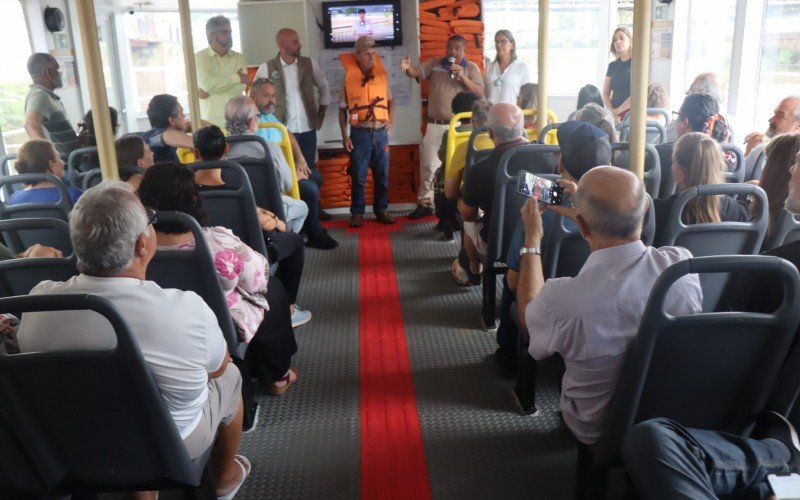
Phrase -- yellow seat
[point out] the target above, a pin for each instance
(286, 147)
(454, 139)
(533, 134)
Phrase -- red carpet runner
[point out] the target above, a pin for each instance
(392, 455)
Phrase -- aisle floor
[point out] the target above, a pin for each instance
(476, 443)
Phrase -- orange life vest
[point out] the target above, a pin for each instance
(367, 99)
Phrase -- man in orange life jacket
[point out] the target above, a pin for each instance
(367, 97)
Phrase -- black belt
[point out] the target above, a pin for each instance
(439, 122)
(382, 127)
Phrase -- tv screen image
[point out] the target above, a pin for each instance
(348, 23)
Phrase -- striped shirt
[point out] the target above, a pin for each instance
(56, 125)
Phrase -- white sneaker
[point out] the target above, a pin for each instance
(300, 317)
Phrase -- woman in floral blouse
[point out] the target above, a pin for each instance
(261, 313)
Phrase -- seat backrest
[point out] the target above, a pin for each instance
(5, 163)
(59, 210)
(566, 251)
(736, 172)
(710, 371)
(80, 430)
(476, 155)
(194, 270)
(74, 173)
(652, 165)
(233, 207)
(786, 230)
(546, 130)
(93, 177)
(19, 276)
(507, 203)
(758, 169)
(261, 172)
(455, 137)
(717, 238)
(48, 232)
(655, 133)
(286, 147)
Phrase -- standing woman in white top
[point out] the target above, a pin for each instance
(506, 74)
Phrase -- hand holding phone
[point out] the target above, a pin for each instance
(543, 190)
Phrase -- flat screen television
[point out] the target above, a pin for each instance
(345, 22)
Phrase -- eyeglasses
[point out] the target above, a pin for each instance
(227, 32)
(676, 115)
(152, 215)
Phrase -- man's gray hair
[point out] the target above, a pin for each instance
(606, 219)
(710, 84)
(259, 82)
(796, 110)
(600, 118)
(480, 112)
(238, 113)
(215, 24)
(505, 133)
(104, 226)
(39, 62)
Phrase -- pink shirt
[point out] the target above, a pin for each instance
(592, 319)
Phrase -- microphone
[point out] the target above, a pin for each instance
(451, 60)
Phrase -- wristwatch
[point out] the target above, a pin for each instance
(534, 250)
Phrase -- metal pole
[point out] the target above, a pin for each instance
(97, 90)
(640, 75)
(188, 60)
(541, 99)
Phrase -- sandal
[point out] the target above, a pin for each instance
(280, 390)
(246, 467)
(461, 272)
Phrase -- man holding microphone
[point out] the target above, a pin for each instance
(448, 76)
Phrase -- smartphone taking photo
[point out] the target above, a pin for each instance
(544, 190)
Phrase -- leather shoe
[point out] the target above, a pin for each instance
(323, 215)
(384, 218)
(420, 212)
(323, 241)
(356, 220)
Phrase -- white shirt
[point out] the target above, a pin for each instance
(177, 333)
(505, 87)
(592, 319)
(296, 113)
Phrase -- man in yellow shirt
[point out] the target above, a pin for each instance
(221, 72)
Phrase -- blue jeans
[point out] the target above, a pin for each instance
(309, 193)
(370, 148)
(666, 460)
(308, 145)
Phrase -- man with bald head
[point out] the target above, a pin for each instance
(506, 130)
(591, 320)
(295, 77)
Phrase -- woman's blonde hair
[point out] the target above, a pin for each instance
(627, 32)
(34, 157)
(700, 157)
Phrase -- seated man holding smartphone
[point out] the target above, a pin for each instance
(583, 147)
